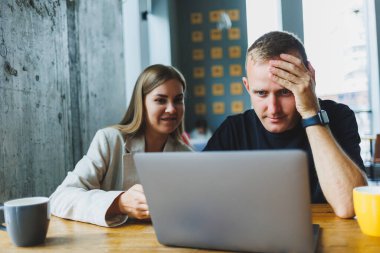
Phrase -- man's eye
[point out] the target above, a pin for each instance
(285, 92)
(261, 93)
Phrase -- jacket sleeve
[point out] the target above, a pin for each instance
(79, 197)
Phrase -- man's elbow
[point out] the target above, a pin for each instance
(344, 208)
(344, 211)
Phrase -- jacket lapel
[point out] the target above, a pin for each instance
(134, 144)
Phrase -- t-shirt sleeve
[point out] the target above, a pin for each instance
(345, 130)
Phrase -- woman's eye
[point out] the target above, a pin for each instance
(160, 101)
(178, 101)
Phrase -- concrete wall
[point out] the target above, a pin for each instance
(61, 78)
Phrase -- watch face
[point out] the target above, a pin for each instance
(324, 117)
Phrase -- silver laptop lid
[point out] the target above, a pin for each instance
(240, 201)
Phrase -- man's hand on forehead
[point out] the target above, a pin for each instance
(290, 72)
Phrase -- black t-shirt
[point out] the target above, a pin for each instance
(245, 132)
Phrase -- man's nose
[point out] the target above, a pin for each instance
(273, 105)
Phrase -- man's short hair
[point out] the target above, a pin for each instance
(273, 44)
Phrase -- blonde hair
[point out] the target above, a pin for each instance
(273, 44)
(152, 77)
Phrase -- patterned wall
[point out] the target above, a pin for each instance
(212, 60)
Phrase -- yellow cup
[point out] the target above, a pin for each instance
(367, 209)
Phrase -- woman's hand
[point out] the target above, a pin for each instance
(133, 203)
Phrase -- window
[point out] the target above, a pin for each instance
(336, 37)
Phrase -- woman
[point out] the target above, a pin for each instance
(104, 188)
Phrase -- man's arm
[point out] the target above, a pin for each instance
(337, 173)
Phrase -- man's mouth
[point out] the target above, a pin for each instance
(275, 119)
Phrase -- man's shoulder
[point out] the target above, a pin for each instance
(242, 125)
(340, 115)
(241, 118)
(333, 107)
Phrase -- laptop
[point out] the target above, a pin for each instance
(254, 201)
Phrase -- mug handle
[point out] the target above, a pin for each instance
(4, 228)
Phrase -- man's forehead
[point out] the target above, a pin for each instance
(255, 59)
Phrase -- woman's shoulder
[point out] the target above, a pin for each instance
(174, 144)
(110, 134)
(183, 147)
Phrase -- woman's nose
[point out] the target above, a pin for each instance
(170, 108)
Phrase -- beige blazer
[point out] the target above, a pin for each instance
(99, 177)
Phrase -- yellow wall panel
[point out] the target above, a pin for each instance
(198, 72)
(235, 70)
(214, 16)
(234, 33)
(218, 89)
(196, 18)
(198, 54)
(197, 36)
(200, 109)
(215, 34)
(236, 88)
(234, 52)
(216, 53)
(217, 71)
(234, 14)
(199, 90)
(237, 106)
(218, 108)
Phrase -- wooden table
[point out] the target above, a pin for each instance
(337, 235)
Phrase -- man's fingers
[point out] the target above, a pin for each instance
(293, 59)
(288, 67)
(283, 82)
(283, 74)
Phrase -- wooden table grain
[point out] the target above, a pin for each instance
(337, 235)
(341, 235)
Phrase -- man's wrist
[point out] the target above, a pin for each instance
(309, 114)
(320, 118)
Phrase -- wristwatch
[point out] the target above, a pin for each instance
(320, 119)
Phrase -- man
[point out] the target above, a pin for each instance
(288, 115)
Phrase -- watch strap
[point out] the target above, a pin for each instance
(320, 118)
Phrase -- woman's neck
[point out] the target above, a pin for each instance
(155, 142)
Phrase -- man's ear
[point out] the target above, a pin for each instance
(246, 84)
